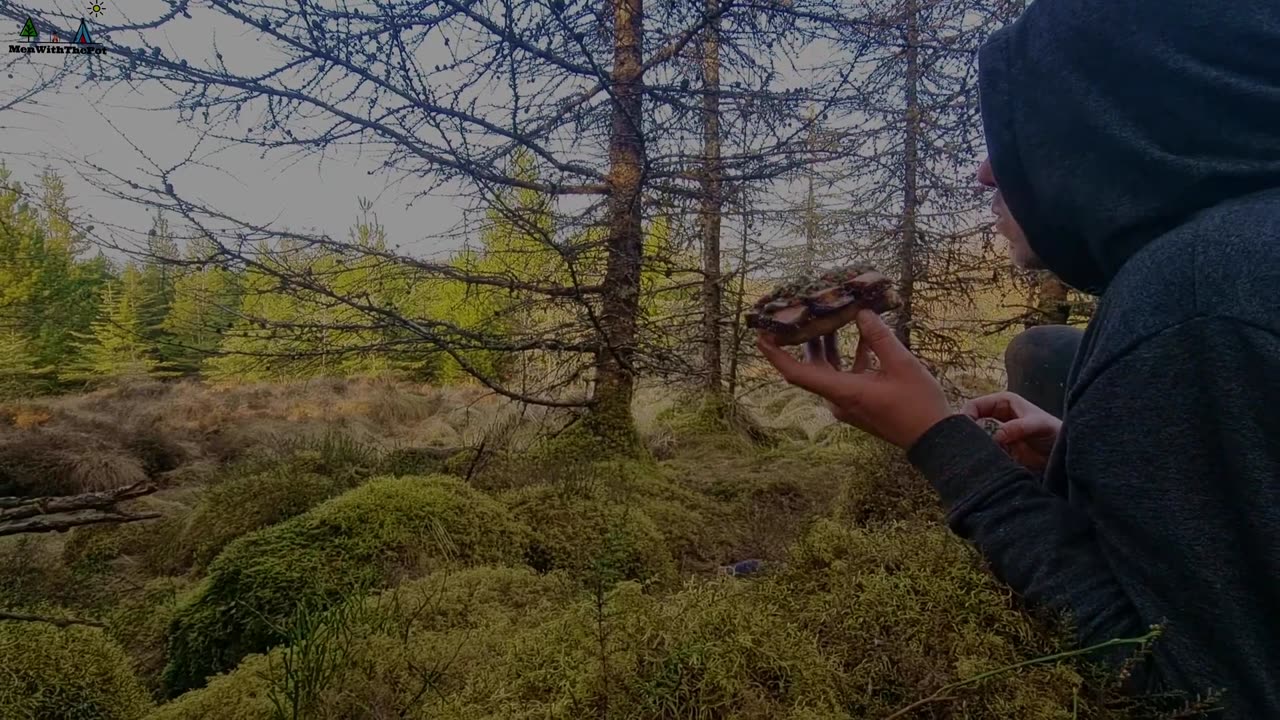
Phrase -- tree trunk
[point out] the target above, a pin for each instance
(1051, 301)
(911, 160)
(620, 302)
(736, 352)
(711, 202)
(810, 229)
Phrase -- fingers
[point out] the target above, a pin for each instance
(1002, 406)
(816, 378)
(881, 340)
(1022, 429)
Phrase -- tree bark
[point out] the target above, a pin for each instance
(615, 372)
(910, 166)
(16, 508)
(711, 203)
(736, 350)
(66, 521)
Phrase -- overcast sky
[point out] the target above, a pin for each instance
(284, 188)
(90, 124)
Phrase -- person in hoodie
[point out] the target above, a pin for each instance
(1136, 148)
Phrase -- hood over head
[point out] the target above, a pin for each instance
(1110, 122)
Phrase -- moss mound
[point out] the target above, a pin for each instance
(222, 514)
(241, 695)
(906, 609)
(368, 537)
(74, 673)
(862, 623)
(599, 542)
(712, 650)
(394, 654)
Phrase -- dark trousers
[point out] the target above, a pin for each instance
(1037, 362)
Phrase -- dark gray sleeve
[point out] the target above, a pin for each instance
(1034, 541)
(1174, 510)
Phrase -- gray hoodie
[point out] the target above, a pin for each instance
(1138, 144)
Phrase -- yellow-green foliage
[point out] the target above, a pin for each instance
(75, 673)
(151, 545)
(283, 483)
(91, 546)
(362, 538)
(598, 541)
(904, 609)
(691, 524)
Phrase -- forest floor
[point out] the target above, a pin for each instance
(370, 549)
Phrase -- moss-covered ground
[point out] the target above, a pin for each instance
(557, 576)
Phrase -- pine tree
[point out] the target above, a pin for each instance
(20, 372)
(159, 279)
(46, 294)
(203, 308)
(116, 346)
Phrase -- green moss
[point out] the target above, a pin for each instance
(860, 624)
(904, 609)
(224, 514)
(366, 537)
(477, 597)
(462, 463)
(140, 624)
(701, 420)
(598, 542)
(713, 650)
(244, 694)
(94, 545)
(411, 461)
(74, 672)
(431, 634)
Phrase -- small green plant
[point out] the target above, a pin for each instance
(318, 645)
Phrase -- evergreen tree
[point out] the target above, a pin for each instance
(116, 346)
(46, 294)
(20, 372)
(204, 305)
(160, 275)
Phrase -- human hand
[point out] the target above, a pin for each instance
(897, 402)
(1026, 432)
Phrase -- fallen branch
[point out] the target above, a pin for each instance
(60, 622)
(941, 694)
(59, 523)
(14, 508)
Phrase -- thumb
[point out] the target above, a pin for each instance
(1020, 429)
(881, 339)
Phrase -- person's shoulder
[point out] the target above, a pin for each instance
(1223, 261)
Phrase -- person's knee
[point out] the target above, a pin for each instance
(1037, 362)
(1042, 344)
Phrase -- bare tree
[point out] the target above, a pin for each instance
(910, 201)
(590, 94)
